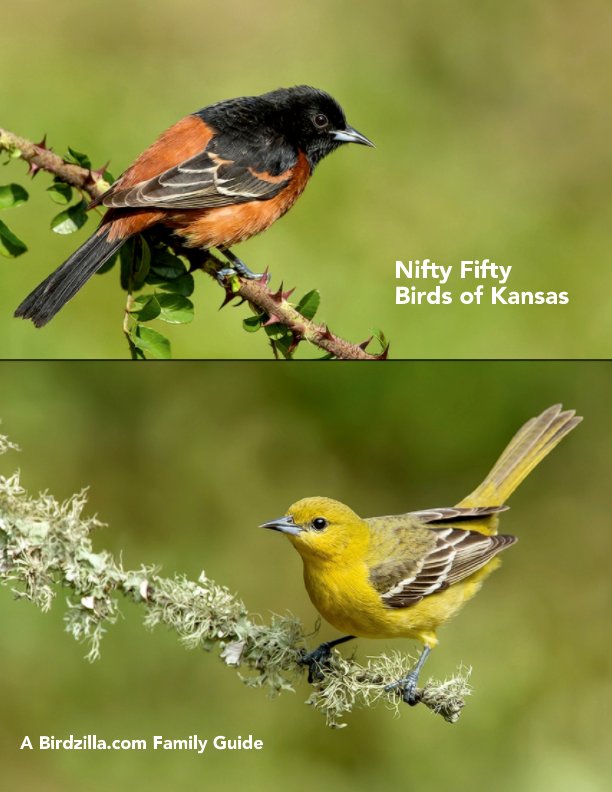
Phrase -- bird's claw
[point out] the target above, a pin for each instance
(240, 268)
(408, 688)
(229, 272)
(224, 274)
(316, 660)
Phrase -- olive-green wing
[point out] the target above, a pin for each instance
(422, 560)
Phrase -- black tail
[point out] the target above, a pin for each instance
(54, 292)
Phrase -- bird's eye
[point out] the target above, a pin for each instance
(320, 120)
(319, 523)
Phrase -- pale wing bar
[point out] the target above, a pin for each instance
(204, 181)
(456, 513)
(456, 555)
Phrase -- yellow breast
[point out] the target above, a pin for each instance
(346, 599)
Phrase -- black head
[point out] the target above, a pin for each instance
(312, 121)
(270, 129)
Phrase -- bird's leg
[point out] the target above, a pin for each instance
(319, 657)
(238, 268)
(408, 684)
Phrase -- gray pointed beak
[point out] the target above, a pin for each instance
(283, 524)
(350, 135)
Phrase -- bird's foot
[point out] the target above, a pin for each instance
(408, 685)
(408, 688)
(317, 660)
(225, 274)
(238, 267)
(228, 272)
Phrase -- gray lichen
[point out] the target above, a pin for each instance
(45, 546)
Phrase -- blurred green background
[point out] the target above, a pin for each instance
(492, 123)
(183, 478)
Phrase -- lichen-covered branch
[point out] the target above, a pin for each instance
(45, 545)
(272, 305)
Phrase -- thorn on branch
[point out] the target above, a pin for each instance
(34, 167)
(96, 175)
(383, 355)
(287, 294)
(43, 144)
(277, 296)
(229, 296)
(296, 338)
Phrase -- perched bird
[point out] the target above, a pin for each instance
(406, 575)
(215, 178)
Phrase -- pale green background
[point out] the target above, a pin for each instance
(493, 127)
(185, 462)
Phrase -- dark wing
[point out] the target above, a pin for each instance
(455, 513)
(203, 181)
(455, 554)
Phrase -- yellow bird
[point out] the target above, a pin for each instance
(407, 574)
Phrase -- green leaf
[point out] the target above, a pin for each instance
(175, 308)
(183, 285)
(108, 265)
(151, 341)
(146, 308)
(142, 262)
(12, 195)
(282, 345)
(135, 257)
(76, 158)
(380, 337)
(167, 266)
(71, 219)
(277, 331)
(252, 323)
(60, 192)
(10, 245)
(126, 257)
(309, 304)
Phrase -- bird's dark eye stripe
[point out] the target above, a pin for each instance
(319, 523)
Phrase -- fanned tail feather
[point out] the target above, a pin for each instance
(533, 441)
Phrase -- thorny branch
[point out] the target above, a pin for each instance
(39, 157)
(45, 545)
(273, 304)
